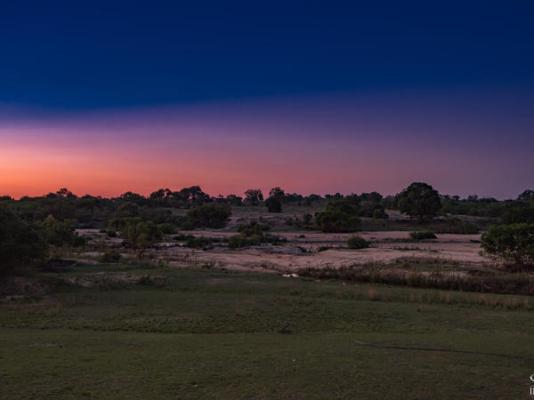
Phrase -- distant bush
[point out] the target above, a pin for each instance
(141, 234)
(253, 234)
(357, 243)
(167, 228)
(208, 216)
(339, 216)
(60, 233)
(513, 243)
(199, 242)
(423, 235)
(110, 256)
(20, 243)
(457, 226)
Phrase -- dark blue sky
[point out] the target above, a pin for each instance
(96, 55)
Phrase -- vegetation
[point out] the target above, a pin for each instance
(20, 244)
(513, 243)
(357, 243)
(339, 216)
(253, 234)
(208, 216)
(236, 336)
(419, 200)
(423, 235)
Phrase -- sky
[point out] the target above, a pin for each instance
(315, 96)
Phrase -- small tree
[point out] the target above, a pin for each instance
(512, 243)
(141, 234)
(60, 233)
(419, 200)
(274, 202)
(253, 197)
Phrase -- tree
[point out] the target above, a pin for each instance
(274, 201)
(253, 197)
(340, 215)
(60, 233)
(208, 216)
(512, 243)
(419, 200)
(20, 243)
(526, 196)
(141, 234)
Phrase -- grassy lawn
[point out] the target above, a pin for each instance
(216, 335)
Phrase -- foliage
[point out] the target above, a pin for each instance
(419, 200)
(208, 216)
(141, 234)
(110, 256)
(20, 243)
(423, 235)
(60, 233)
(253, 234)
(357, 243)
(339, 216)
(253, 197)
(512, 243)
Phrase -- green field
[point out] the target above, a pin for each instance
(204, 334)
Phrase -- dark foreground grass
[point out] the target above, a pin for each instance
(216, 335)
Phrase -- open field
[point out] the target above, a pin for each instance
(158, 332)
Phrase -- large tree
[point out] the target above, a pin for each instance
(419, 200)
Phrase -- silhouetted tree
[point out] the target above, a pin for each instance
(419, 200)
(253, 197)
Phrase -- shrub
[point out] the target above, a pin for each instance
(253, 234)
(208, 216)
(167, 228)
(357, 242)
(110, 256)
(514, 243)
(60, 233)
(456, 225)
(198, 242)
(141, 234)
(339, 216)
(20, 243)
(423, 235)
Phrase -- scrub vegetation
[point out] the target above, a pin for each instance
(179, 294)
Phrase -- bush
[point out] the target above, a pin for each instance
(208, 216)
(20, 243)
(513, 243)
(253, 234)
(110, 256)
(198, 242)
(60, 233)
(423, 235)
(167, 228)
(457, 226)
(339, 216)
(357, 243)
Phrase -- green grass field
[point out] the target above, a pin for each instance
(206, 334)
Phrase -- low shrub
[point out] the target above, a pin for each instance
(423, 235)
(357, 242)
(512, 243)
(110, 256)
